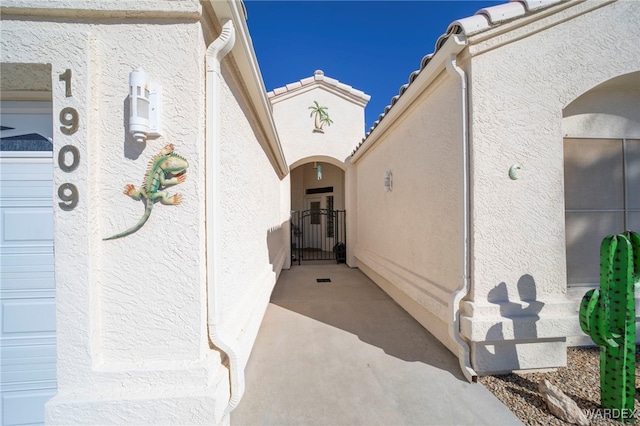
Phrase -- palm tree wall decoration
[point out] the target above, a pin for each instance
(321, 116)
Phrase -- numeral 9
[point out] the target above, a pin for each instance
(69, 118)
(70, 201)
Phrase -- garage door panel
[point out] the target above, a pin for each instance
(14, 171)
(20, 264)
(23, 177)
(37, 374)
(28, 282)
(23, 408)
(37, 195)
(28, 316)
(33, 224)
(16, 350)
(28, 256)
(25, 184)
(11, 282)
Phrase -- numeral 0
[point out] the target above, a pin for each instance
(75, 158)
(69, 118)
(70, 200)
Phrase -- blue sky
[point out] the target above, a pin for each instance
(370, 45)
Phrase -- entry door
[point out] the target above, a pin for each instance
(313, 234)
(27, 292)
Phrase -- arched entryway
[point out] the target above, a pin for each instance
(601, 171)
(318, 215)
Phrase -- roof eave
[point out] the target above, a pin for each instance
(320, 80)
(453, 46)
(247, 63)
(361, 101)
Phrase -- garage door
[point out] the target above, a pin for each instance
(27, 293)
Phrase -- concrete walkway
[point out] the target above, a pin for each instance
(344, 353)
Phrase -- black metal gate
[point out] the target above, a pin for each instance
(319, 234)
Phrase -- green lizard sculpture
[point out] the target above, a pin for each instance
(163, 164)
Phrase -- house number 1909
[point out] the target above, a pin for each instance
(67, 192)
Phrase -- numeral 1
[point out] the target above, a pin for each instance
(66, 77)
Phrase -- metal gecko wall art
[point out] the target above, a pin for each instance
(165, 169)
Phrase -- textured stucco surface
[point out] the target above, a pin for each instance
(302, 146)
(411, 236)
(518, 225)
(132, 334)
(254, 223)
(165, 255)
(609, 110)
(521, 82)
(295, 126)
(18, 77)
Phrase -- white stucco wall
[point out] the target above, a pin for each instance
(409, 239)
(521, 82)
(295, 126)
(254, 223)
(302, 145)
(609, 110)
(132, 338)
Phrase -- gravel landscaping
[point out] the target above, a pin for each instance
(580, 380)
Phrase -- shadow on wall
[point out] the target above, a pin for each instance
(132, 148)
(276, 245)
(524, 315)
(353, 303)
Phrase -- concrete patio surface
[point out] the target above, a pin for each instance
(344, 353)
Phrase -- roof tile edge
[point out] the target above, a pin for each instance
(319, 78)
(482, 20)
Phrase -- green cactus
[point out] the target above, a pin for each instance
(608, 314)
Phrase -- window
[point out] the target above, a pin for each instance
(602, 197)
(315, 212)
(322, 190)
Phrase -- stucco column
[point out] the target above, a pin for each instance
(351, 206)
(130, 312)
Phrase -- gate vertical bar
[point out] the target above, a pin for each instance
(299, 236)
(344, 227)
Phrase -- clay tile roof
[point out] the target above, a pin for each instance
(483, 20)
(319, 78)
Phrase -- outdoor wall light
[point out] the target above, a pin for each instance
(144, 106)
(318, 168)
(388, 181)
